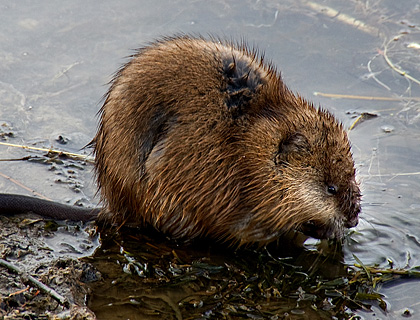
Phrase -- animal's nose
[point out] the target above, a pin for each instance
(352, 222)
(353, 217)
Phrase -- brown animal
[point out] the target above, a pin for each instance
(202, 139)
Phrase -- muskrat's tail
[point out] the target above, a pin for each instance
(15, 203)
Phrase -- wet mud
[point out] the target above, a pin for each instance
(24, 245)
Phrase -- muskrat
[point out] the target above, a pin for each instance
(201, 138)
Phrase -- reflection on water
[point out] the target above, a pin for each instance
(166, 279)
(56, 59)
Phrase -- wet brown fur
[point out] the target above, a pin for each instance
(202, 138)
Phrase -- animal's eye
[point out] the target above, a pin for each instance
(332, 190)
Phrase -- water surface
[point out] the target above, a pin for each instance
(57, 58)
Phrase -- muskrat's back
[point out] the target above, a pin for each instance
(202, 138)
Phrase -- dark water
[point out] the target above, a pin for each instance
(57, 57)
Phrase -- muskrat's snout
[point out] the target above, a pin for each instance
(353, 216)
(353, 210)
(347, 217)
(353, 221)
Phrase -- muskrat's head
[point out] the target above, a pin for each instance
(317, 159)
(328, 166)
(300, 161)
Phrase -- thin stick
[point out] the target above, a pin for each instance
(349, 96)
(342, 17)
(372, 74)
(19, 291)
(23, 186)
(28, 278)
(358, 119)
(393, 67)
(395, 271)
(70, 154)
(393, 175)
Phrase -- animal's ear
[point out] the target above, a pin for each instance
(295, 145)
(241, 83)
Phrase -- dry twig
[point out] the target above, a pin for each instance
(372, 98)
(23, 186)
(342, 17)
(69, 154)
(393, 67)
(28, 278)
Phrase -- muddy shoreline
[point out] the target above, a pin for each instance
(24, 244)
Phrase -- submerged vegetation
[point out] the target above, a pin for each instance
(207, 281)
(138, 273)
